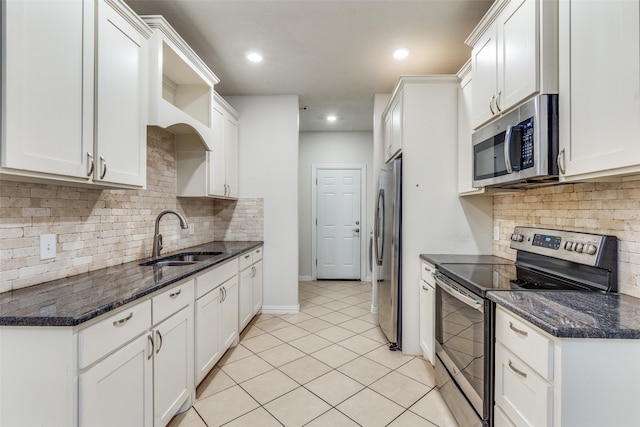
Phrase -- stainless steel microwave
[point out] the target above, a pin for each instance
(519, 149)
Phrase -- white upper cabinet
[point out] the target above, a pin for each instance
(180, 84)
(213, 171)
(393, 127)
(514, 56)
(84, 119)
(599, 89)
(465, 147)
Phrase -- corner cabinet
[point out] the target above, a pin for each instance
(427, 311)
(599, 109)
(210, 173)
(541, 380)
(89, 106)
(514, 56)
(180, 84)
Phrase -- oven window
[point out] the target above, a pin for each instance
(489, 158)
(461, 336)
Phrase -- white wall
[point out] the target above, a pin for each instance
(268, 153)
(331, 148)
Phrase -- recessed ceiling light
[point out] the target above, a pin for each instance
(331, 118)
(401, 53)
(255, 57)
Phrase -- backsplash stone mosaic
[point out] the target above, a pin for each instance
(99, 228)
(602, 208)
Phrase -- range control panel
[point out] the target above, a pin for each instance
(583, 248)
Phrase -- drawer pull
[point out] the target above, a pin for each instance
(175, 294)
(516, 370)
(247, 256)
(258, 251)
(122, 321)
(425, 288)
(518, 331)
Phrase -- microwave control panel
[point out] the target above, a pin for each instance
(527, 144)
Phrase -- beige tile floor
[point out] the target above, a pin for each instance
(328, 365)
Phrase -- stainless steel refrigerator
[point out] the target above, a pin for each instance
(387, 238)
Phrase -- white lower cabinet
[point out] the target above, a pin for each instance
(137, 366)
(541, 380)
(172, 339)
(250, 292)
(427, 311)
(148, 380)
(118, 390)
(216, 327)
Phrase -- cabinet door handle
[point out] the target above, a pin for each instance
(425, 288)
(253, 272)
(159, 341)
(518, 331)
(104, 167)
(493, 97)
(560, 162)
(516, 370)
(90, 164)
(498, 102)
(150, 341)
(175, 294)
(122, 321)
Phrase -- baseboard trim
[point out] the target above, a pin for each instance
(305, 278)
(282, 309)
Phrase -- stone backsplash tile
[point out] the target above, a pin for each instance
(602, 208)
(99, 228)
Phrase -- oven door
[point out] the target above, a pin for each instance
(463, 342)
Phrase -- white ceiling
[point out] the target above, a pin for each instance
(334, 54)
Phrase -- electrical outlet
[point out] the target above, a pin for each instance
(496, 233)
(47, 246)
(192, 229)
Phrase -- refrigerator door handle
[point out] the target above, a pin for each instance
(379, 221)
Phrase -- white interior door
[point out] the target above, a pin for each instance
(338, 223)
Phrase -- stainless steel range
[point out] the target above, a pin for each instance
(545, 260)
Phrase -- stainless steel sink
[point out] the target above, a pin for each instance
(184, 258)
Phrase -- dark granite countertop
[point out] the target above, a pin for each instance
(575, 314)
(436, 259)
(77, 299)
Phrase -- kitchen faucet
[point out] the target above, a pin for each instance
(157, 237)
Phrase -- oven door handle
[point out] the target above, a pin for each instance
(476, 304)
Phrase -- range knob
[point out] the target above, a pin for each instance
(590, 249)
(579, 247)
(568, 245)
(517, 237)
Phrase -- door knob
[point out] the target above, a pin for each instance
(357, 222)
(357, 230)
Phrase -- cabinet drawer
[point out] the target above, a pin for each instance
(526, 342)
(257, 255)
(246, 260)
(171, 301)
(211, 279)
(523, 395)
(114, 331)
(426, 273)
(500, 419)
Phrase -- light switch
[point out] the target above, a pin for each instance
(47, 246)
(192, 229)
(496, 233)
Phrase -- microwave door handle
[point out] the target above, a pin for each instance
(507, 149)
